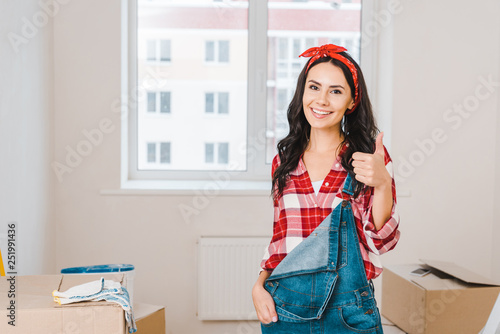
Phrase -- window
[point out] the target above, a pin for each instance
(164, 50)
(209, 153)
(151, 152)
(223, 153)
(210, 51)
(217, 103)
(165, 153)
(217, 152)
(151, 53)
(217, 51)
(158, 50)
(204, 33)
(251, 90)
(158, 153)
(158, 102)
(151, 102)
(165, 102)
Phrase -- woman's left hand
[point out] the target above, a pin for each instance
(370, 168)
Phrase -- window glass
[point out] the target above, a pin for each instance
(165, 50)
(165, 103)
(209, 103)
(209, 153)
(223, 51)
(194, 37)
(151, 102)
(223, 103)
(151, 152)
(282, 99)
(192, 64)
(151, 52)
(223, 154)
(165, 153)
(210, 51)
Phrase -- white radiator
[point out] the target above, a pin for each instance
(227, 270)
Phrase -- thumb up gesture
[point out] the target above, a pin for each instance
(370, 168)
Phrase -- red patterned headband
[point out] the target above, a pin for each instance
(332, 51)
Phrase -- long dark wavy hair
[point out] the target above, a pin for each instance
(359, 128)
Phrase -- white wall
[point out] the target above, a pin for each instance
(449, 214)
(439, 59)
(26, 127)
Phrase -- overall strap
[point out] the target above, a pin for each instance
(349, 185)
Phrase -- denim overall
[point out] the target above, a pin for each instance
(321, 285)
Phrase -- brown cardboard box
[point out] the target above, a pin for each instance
(450, 299)
(36, 312)
(150, 319)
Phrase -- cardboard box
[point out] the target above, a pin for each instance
(150, 319)
(36, 312)
(450, 299)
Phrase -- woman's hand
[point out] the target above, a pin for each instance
(370, 168)
(263, 302)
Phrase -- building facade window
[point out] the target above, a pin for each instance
(217, 103)
(209, 153)
(165, 102)
(165, 153)
(151, 153)
(217, 152)
(158, 153)
(217, 51)
(151, 102)
(223, 153)
(158, 102)
(158, 50)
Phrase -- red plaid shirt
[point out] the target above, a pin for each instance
(299, 211)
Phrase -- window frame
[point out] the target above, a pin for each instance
(217, 52)
(256, 177)
(158, 102)
(216, 156)
(157, 60)
(216, 104)
(158, 145)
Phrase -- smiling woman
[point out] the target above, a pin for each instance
(335, 206)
